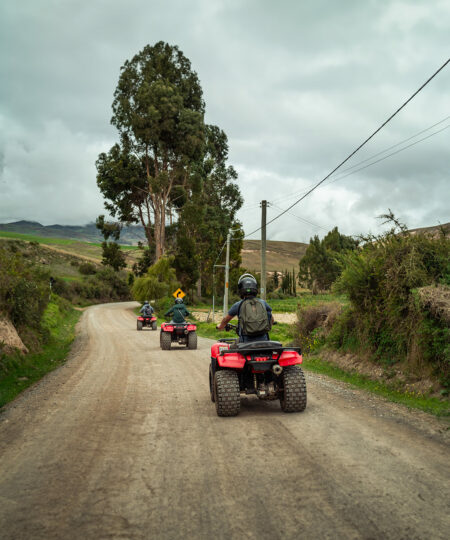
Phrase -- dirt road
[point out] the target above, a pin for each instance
(123, 442)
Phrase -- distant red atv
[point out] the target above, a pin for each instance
(182, 333)
(264, 368)
(147, 321)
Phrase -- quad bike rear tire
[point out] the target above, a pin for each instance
(226, 393)
(293, 398)
(154, 326)
(166, 341)
(192, 340)
(211, 386)
(139, 325)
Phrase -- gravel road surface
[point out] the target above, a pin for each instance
(123, 442)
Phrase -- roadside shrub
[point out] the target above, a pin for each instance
(87, 269)
(314, 323)
(60, 287)
(159, 282)
(24, 294)
(385, 318)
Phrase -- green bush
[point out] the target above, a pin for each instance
(24, 289)
(385, 319)
(87, 269)
(158, 283)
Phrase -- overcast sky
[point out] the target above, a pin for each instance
(296, 85)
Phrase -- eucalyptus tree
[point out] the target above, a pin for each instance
(208, 212)
(158, 110)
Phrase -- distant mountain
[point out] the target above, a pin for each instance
(85, 233)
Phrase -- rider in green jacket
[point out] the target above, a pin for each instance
(178, 311)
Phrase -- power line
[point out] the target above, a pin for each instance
(302, 219)
(300, 192)
(388, 156)
(358, 148)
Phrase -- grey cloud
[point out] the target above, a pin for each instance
(295, 85)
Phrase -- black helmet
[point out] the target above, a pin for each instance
(178, 300)
(247, 285)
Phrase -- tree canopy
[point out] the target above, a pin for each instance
(158, 111)
(320, 267)
(169, 170)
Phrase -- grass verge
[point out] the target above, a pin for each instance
(17, 371)
(428, 404)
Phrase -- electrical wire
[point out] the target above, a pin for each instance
(303, 219)
(357, 149)
(388, 156)
(300, 192)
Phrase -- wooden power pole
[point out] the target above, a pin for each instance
(263, 249)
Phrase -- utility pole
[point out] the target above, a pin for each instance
(263, 249)
(227, 275)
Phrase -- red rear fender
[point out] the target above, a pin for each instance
(217, 347)
(290, 358)
(231, 360)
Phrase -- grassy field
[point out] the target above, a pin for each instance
(17, 372)
(286, 305)
(84, 250)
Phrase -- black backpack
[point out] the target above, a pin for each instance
(253, 319)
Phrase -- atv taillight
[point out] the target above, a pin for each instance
(140, 318)
(191, 327)
(168, 328)
(261, 358)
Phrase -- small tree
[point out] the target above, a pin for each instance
(112, 255)
(159, 282)
(320, 266)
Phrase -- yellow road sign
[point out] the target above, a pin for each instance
(179, 294)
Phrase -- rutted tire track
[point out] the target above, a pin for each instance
(124, 442)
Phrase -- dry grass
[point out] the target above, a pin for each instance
(279, 256)
(436, 300)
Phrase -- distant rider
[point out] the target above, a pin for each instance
(254, 314)
(147, 310)
(178, 311)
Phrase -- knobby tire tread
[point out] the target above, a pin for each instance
(166, 341)
(227, 398)
(294, 392)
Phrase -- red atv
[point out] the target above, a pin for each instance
(182, 333)
(147, 321)
(264, 368)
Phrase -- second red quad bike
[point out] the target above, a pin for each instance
(264, 368)
(146, 321)
(181, 333)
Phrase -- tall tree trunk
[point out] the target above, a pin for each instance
(159, 251)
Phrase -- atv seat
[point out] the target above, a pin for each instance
(257, 345)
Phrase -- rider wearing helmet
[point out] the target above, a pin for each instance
(248, 289)
(178, 311)
(147, 310)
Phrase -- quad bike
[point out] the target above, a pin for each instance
(182, 333)
(264, 368)
(147, 321)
